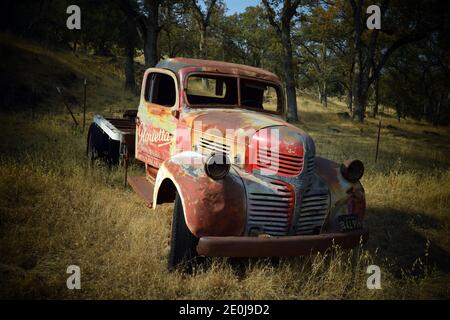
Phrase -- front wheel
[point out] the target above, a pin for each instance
(182, 243)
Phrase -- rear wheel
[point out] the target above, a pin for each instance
(183, 243)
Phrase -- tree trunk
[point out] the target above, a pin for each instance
(359, 74)
(150, 45)
(360, 91)
(150, 36)
(202, 51)
(399, 110)
(324, 84)
(129, 42)
(201, 44)
(75, 43)
(350, 90)
(203, 20)
(358, 111)
(425, 110)
(360, 104)
(130, 83)
(289, 73)
(319, 92)
(350, 100)
(324, 95)
(436, 114)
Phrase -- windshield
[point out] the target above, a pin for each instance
(218, 90)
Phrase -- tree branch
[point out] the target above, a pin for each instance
(135, 17)
(411, 38)
(202, 18)
(270, 13)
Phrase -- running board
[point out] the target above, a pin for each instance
(143, 188)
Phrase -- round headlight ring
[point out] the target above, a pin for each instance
(352, 170)
(217, 165)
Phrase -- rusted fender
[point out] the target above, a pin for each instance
(211, 208)
(346, 197)
(329, 170)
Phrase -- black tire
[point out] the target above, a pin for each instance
(183, 243)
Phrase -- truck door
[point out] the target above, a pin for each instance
(156, 121)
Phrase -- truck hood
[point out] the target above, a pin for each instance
(230, 119)
(253, 140)
(221, 128)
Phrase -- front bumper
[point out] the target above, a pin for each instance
(286, 246)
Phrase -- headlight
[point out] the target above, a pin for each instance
(217, 166)
(352, 170)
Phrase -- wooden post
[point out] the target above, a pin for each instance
(67, 106)
(378, 140)
(126, 167)
(84, 105)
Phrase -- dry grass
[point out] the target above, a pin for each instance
(56, 211)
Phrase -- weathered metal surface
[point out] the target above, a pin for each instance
(346, 197)
(143, 187)
(116, 129)
(211, 207)
(121, 130)
(177, 64)
(156, 125)
(277, 246)
(276, 186)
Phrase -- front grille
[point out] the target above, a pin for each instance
(279, 163)
(271, 213)
(208, 146)
(310, 164)
(314, 208)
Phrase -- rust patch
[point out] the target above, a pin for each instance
(211, 208)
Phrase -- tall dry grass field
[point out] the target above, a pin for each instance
(57, 211)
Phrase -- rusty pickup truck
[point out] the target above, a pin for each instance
(244, 182)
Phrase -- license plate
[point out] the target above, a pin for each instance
(349, 222)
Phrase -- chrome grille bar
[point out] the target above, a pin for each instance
(270, 212)
(313, 211)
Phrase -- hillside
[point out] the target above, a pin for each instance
(56, 211)
(30, 74)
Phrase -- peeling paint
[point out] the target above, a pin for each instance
(275, 173)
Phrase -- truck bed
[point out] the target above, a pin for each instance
(113, 137)
(116, 128)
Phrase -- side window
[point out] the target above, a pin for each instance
(206, 87)
(259, 95)
(210, 89)
(270, 99)
(160, 89)
(148, 88)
